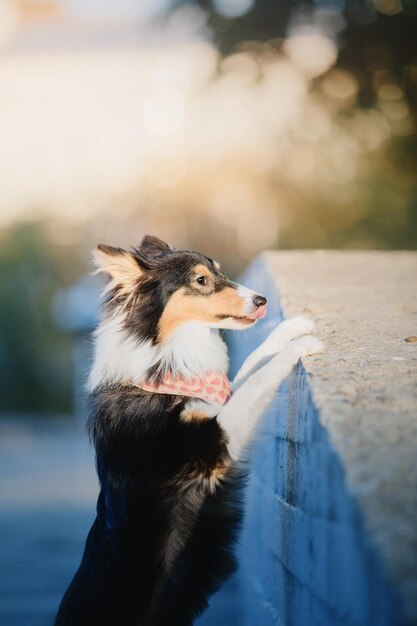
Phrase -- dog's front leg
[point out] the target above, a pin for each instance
(274, 343)
(241, 414)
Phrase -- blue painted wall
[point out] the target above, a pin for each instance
(305, 559)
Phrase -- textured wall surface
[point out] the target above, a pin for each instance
(325, 542)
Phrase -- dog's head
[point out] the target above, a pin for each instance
(161, 310)
(158, 289)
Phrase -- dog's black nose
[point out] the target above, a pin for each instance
(259, 300)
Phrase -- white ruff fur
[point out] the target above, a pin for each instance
(194, 349)
(119, 358)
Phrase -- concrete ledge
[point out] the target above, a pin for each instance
(331, 529)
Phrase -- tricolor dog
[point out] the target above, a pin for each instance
(171, 434)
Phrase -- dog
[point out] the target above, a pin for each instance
(171, 434)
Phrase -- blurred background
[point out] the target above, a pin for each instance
(229, 126)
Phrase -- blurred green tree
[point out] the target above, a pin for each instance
(377, 44)
(35, 358)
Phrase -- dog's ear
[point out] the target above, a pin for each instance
(122, 267)
(151, 246)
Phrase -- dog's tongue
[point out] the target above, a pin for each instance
(258, 314)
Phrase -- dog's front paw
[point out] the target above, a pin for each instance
(307, 346)
(288, 330)
(298, 326)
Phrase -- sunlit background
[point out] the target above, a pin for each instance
(228, 126)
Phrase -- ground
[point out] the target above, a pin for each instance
(47, 499)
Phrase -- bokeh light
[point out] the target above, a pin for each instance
(120, 119)
(232, 8)
(226, 126)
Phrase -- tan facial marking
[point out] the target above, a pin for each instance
(184, 307)
(202, 270)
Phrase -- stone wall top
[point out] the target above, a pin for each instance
(365, 386)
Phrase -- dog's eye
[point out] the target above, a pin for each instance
(202, 280)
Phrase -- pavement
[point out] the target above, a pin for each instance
(48, 490)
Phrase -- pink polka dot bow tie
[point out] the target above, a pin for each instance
(212, 387)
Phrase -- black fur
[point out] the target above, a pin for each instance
(163, 536)
(165, 274)
(153, 501)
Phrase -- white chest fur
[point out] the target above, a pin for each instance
(192, 350)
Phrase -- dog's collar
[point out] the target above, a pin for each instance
(212, 387)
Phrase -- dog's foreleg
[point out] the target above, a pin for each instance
(241, 414)
(274, 343)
